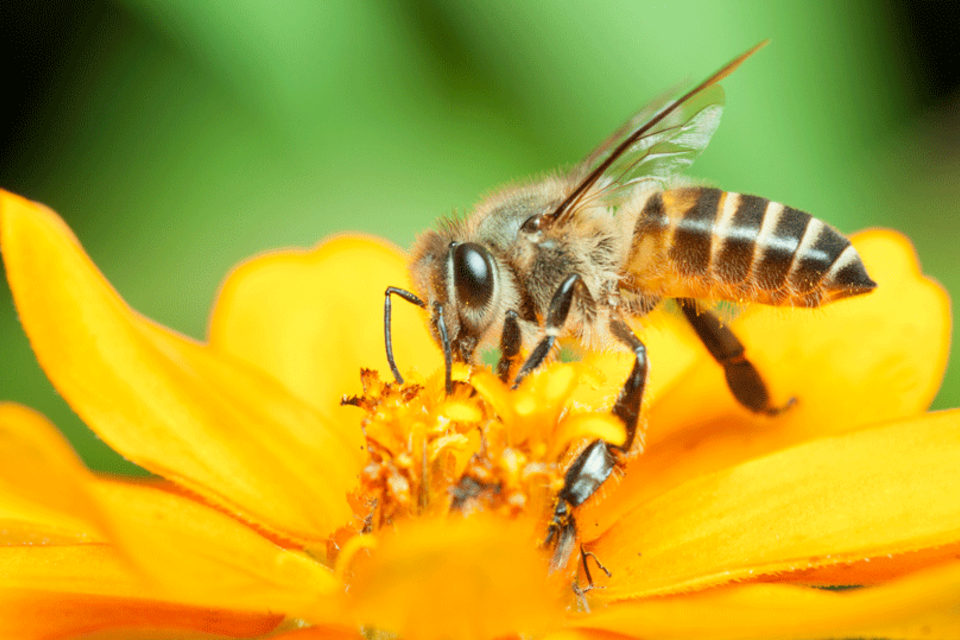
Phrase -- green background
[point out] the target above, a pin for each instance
(178, 137)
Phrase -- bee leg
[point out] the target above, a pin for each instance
(387, 334)
(556, 316)
(562, 535)
(630, 398)
(586, 555)
(590, 470)
(743, 379)
(595, 463)
(510, 341)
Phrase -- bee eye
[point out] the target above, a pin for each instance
(472, 274)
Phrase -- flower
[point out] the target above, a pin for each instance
(278, 511)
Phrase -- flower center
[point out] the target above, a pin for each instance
(431, 455)
(483, 448)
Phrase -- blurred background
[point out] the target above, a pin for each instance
(179, 137)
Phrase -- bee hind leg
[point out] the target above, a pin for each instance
(743, 379)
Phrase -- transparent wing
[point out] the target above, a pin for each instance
(666, 149)
(638, 119)
(660, 141)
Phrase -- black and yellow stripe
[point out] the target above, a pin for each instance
(727, 245)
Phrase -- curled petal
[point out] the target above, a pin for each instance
(843, 500)
(178, 408)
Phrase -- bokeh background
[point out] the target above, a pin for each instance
(179, 137)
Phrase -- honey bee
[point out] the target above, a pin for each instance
(578, 254)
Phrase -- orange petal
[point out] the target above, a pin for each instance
(44, 488)
(672, 351)
(200, 556)
(28, 615)
(320, 633)
(177, 541)
(182, 552)
(852, 363)
(923, 605)
(91, 569)
(888, 490)
(313, 318)
(477, 577)
(181, 545)
(875, 571)
(189, 552)
(173, 406)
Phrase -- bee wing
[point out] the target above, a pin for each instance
(667, 148)
(638, 119)
(657, 147)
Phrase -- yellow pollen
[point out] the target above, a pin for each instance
(482, 448)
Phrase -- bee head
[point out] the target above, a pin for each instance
(461, 283)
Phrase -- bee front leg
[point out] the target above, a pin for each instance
(743, 379)
(556, 316)
(387, 333)
(510, 342)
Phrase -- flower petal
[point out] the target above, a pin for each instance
(44, 496)
(91, 569)
(177, 408)
(888, 490)
(873, 571)
(47, 591)
(179, 546)
(29, 615)
(320, 633)
(313, 318)
(672, 351)
(478, 577)
(187, 547)
(847, 364)
(923, 605)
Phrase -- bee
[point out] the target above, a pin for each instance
(579, 254)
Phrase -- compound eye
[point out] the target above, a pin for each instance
(472, 275)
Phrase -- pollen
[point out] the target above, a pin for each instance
(483, 448)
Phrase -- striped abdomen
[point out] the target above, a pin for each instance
(706, 243)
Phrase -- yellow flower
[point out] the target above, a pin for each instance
(280, 512)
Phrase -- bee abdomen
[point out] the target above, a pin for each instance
(725, 245)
